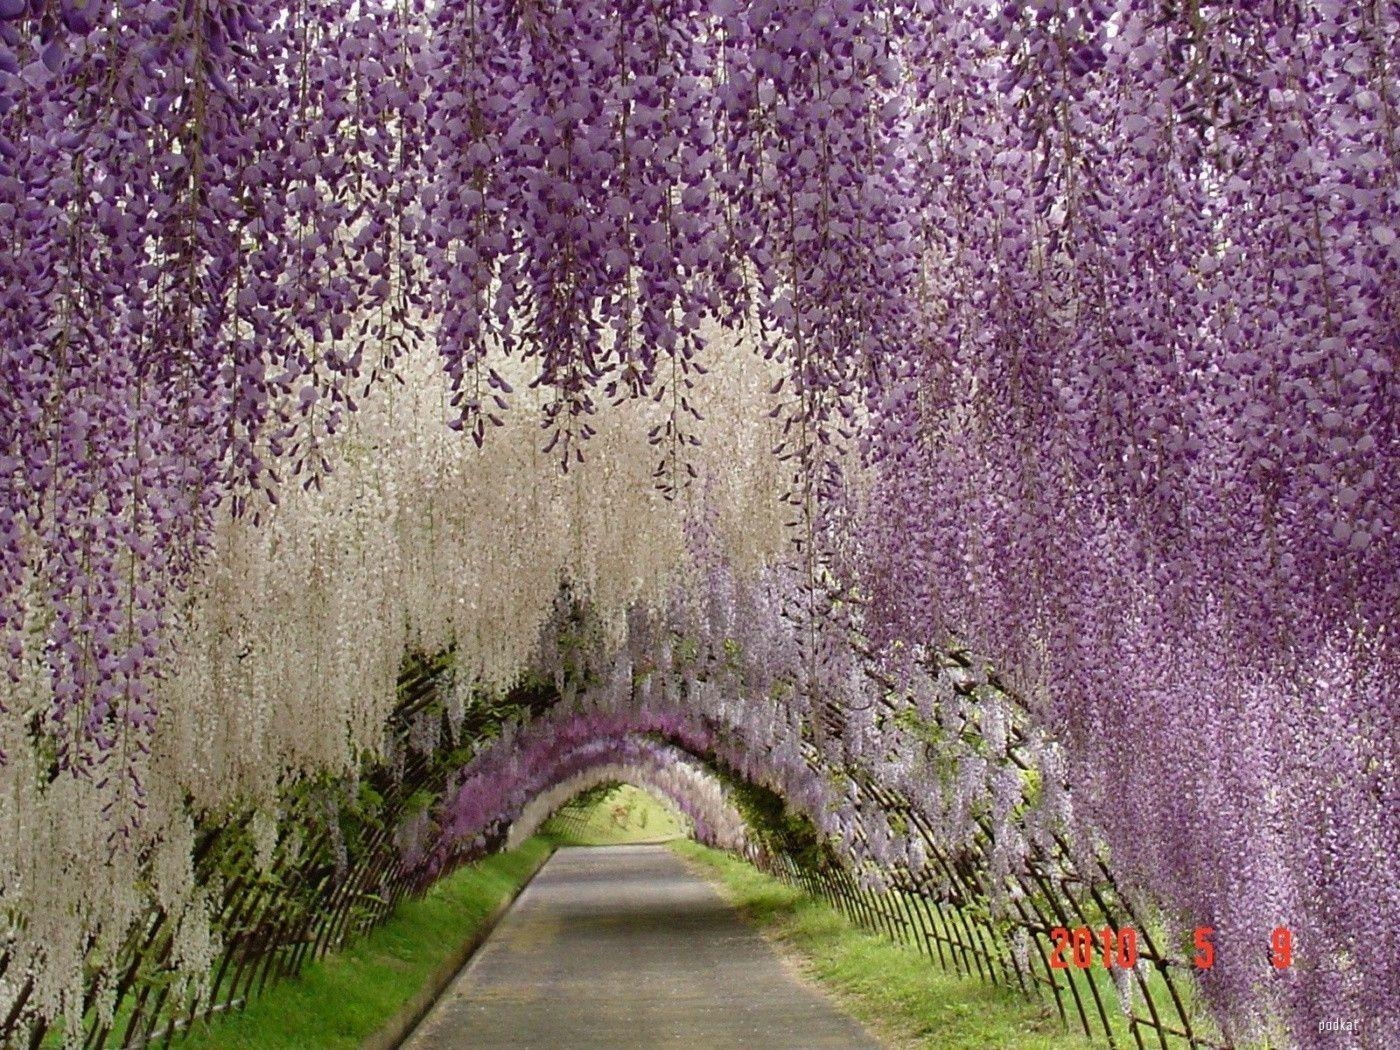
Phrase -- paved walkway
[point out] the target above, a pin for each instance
(622, 946)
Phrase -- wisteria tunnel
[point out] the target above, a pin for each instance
(947, 452)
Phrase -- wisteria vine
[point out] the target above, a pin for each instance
(1080, 316)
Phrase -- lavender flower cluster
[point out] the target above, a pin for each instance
(1087, 319)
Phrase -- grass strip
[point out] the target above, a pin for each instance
(351, 995)
(338, 1002)
(899, 994)
(618, 816)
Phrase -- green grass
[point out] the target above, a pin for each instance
(337, 1002)
(898, 993)
(620, 815)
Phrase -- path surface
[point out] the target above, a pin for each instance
(622, 946)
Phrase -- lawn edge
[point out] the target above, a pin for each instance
(885, 1022)
(879, 1027)
(394, 1032)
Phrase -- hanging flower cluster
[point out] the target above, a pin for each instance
(1146, 461)
(417, 540)
(180, 268)
(602, 177)
(1102, 293)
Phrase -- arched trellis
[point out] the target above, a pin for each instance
(943, 908)
(935, 911)
(1337, 555)
(694, 795)
(314, 895)
(1063, 886)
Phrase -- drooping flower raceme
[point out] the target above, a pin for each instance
(1078, 330)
